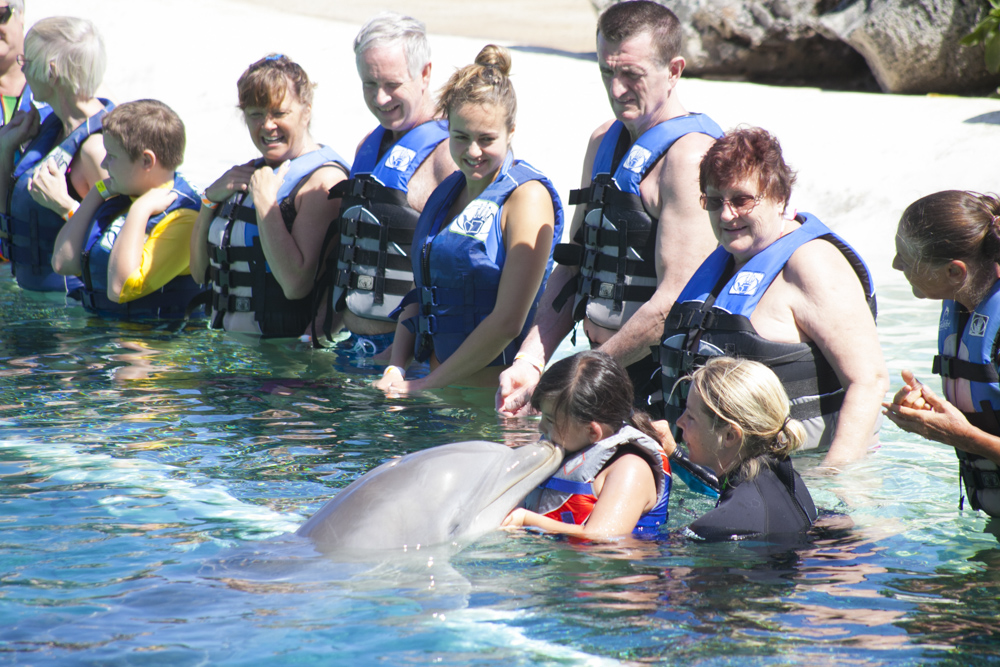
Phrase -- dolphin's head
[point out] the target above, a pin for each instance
(444, 495)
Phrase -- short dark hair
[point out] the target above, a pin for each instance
(591, 386)
(746, 153)
(625, 20)
(147, 125)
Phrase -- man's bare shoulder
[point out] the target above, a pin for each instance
(686, 153)
(602, 129)
(437, 167)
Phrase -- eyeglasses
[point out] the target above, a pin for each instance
(5, 14)
(741, 204)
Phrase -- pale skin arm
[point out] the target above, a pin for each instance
(22, 127)
(550, 326)
(917, 409)
(830, 308)
(237, 179)
(48, 186)
(684, 239)
(126, 253)
(67, 253)
(528, 228)
(628, 492)
(294, 257)
(401, 352)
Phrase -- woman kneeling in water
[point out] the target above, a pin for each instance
(737, 423)
(615, 478)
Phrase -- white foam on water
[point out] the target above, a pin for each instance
(490, 627)
(190, 492)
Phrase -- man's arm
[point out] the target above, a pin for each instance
(684, 239)
(550, 326)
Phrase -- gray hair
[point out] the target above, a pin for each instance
(70, 48)
(391, 27)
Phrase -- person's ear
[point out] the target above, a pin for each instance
(594, 432)
(148, 159)
(732, 438)
(957, 271)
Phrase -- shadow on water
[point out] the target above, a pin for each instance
(590, 56)
(990, 118)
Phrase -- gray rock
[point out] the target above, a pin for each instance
(912, 45)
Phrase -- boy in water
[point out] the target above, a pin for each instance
(130, 238)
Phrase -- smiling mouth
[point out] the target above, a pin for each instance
(273, 141)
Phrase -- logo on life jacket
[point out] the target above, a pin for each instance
(945, 318)
(977, 326)
(399, 158)
(111, 233)
(636, 159)
(746, 283)
(476, 220)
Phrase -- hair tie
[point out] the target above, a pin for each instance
(784, 424)
(276, 56)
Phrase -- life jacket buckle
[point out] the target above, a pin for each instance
(428, 296)
(363, 188)
(427, 325)
(350, 228)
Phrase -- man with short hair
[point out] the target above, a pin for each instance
(396, 168)
(641, 232)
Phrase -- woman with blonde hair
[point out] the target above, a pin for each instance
(482, 250)
(737, 422)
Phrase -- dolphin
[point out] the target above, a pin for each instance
(446, 495)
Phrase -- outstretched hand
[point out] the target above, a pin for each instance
(514, 393)
(917, 409)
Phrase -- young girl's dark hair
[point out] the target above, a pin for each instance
(591, 386)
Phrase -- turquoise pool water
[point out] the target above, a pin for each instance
(144, 471)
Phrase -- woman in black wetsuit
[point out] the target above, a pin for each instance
(737, 423)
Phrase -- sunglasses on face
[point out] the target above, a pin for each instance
(741, 204)
(5, 14)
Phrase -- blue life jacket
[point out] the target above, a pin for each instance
(615, 247)
(168, 302)
(712, 317)
(457, 271)
(241, 279)
(31, 228)
(967, 363)
(374, 270)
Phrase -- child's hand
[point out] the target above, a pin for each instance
(155, 201)
(47, 186)
(515, 519)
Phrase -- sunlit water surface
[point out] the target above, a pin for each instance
(145, 471)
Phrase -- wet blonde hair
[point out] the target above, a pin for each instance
(749, 395)
(487, 81)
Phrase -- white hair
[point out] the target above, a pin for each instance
(69, 49)
(390, 27)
